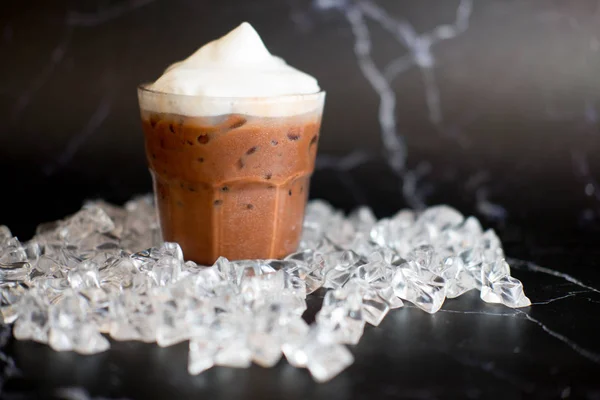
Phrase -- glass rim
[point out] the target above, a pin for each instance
(144, 88)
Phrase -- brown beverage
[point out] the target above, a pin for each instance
(233, 185)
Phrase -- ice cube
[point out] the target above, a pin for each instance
(362, 245)
(421, 287)
(33, 318)
(166, 270)
(340, 266)
(234, 353)
(374, 308)
(208, 282)
(341, 260)
(472, 262)
(339, 230)
(265, 348)
(506, 290)
(390, 297)
(226, 270)
(493, 271)
(441, 217)
(310, 268)
(85, 222)
(98, 303)
(311, 237)
(491, 246)
(257, 290)
(101, 242)
(116, 213)
(326, 360)
(293, 336)
(8, 314)
(140, 229)
(424, 257)
(170, 306)
(201, 355)
(382, 254)
(10, 293)
(87, 340)
(316, 214)
(5, 235)
(404, 219)
(85, 275)
(458, 279)
(51, 289)
(325, 245)
(395, 233)
(335, 279)
(499, 287)
(144, 259)
(250, 268)
(70, 329)
(464, 236)
(381, 233)
(231, 333)
(14, 272)
(341, 316)
(362, 219)
(118, 274)
(190, 268)
(133, 317)
(33, 251)
(376, 274)
(12, 252)
(168, 249)
(295, 285)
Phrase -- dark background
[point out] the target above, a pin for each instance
(519, 101)
(501, 121)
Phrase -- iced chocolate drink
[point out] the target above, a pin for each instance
(231, 173)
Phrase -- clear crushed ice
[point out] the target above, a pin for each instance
(104, 272)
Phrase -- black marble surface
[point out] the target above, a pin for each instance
(490, 106)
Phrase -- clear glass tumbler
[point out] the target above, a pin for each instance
(231, 175)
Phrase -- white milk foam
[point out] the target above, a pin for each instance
(233, 74)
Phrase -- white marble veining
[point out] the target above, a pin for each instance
(420, 55)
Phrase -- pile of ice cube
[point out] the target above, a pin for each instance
(89, 275)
